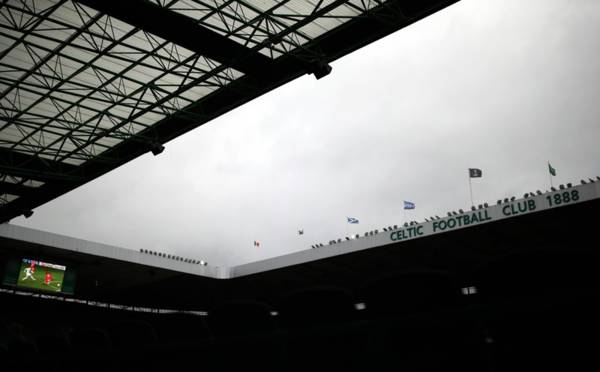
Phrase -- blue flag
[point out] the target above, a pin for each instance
(352, 220)
(409, 205)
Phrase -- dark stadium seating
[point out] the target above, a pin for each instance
(241, 317)
(408, 292)
(530, 310)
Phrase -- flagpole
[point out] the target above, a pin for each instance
(471, 191)
(550, 175)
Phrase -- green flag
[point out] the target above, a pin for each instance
(551, 170)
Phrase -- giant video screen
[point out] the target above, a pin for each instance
(41, 275)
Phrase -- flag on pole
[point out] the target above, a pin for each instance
(352, 220)
(256, 244)
(475, 172)
(409, 205)
(551, 170)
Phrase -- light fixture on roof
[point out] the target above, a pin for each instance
(449, 214)
(591, 180)
(583, 182)
(569, 184)
(156, 148)
(526, 195)
(561, 186)
(461, 211)
(538, 192)
(486, 205)
(506, 200)
(499, 201)
(405, 224)
(320, 68)
(512, 198)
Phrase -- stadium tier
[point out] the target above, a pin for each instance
(146, 278)
(511, 286)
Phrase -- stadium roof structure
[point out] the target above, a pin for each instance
(88, 85)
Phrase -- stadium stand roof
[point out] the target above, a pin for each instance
(88, 85)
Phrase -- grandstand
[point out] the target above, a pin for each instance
(516, 281)
(89, 85)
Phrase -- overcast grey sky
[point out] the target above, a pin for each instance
(501, 85)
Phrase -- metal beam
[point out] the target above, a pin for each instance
(186, 32)
(15, 189)
(33, 167)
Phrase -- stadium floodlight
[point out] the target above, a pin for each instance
(28, 213)
(320, 68)
(156, 148)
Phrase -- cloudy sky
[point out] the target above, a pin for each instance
(504, 86)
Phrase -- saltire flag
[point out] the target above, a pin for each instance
(475, 172)
(256, 244)
(409, 205)
(352, 220)
(301, 232)
(551, 170)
